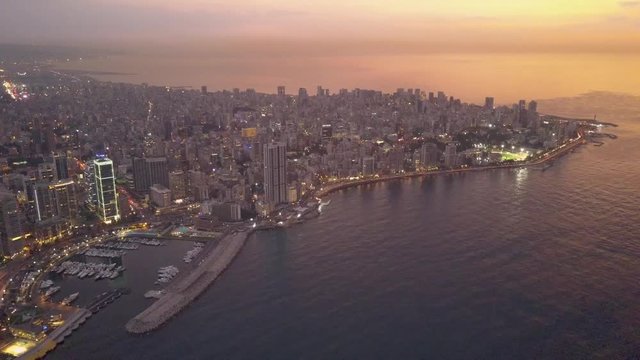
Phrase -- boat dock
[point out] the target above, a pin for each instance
(106, 298)
(183, 291)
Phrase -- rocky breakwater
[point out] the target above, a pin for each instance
(182, 292)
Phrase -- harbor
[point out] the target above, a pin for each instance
(183, 291)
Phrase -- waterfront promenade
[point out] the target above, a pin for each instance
(546, 158)
(182, 292)
(72, 321)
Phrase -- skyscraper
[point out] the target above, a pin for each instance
(148, 172)
(64, 196)
(105, 183)
(62, 165)
(302, 94)
(10, 226)
(429, 155)
(368, 165)
(281, 90)
(488, 103)
(90, 185)
(43, 201)
(451, 155)
(178, 184)
(275, 173)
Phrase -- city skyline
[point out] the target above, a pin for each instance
(337, 179)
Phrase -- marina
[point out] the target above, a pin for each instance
(83, 270)
(191, 254)
(181, 293)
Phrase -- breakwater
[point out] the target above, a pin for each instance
(181, 293)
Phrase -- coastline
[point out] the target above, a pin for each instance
(72, 323)
(548, 157)
(180, 294)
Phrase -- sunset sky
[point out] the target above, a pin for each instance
(509, 49)
(444, 25)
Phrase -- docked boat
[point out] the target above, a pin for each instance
(52, 291)
(154, 294)
(69, 299)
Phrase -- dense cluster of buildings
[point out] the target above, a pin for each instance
(76, 151)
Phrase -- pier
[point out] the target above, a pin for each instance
(106, 298)
(183, 291)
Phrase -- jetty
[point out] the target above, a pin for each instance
(182, 292)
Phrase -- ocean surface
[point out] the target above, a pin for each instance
(471, 77)
(504, 264)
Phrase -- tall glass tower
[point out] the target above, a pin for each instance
(106, 193)
(275, 173)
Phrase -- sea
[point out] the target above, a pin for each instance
(469, 76)
(502, 264)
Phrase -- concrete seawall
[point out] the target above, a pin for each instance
(181, 293)
(72, 322)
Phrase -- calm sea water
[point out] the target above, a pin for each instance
(510, 264)
(471, 77)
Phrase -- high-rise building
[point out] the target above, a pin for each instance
(150, 171)
(451, 155)
(522, 104)
(140, 181)
(281, 90)
(107, 196)
(302, 94)
(64, 197)
(158, 171)
(488, 103)
(178, 184)
(43, 201)
(203, 89)
(160, 196)
(429, 155)
(327, 131)
(11, 233)
(275, 173)
(168, 130)
(368, 165)
(90, 185)
(62, 165)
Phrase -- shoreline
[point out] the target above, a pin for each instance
(550, 156)
(57, 336)
(182, 293)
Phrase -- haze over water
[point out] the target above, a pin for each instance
(501, 264)
(469, 76)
